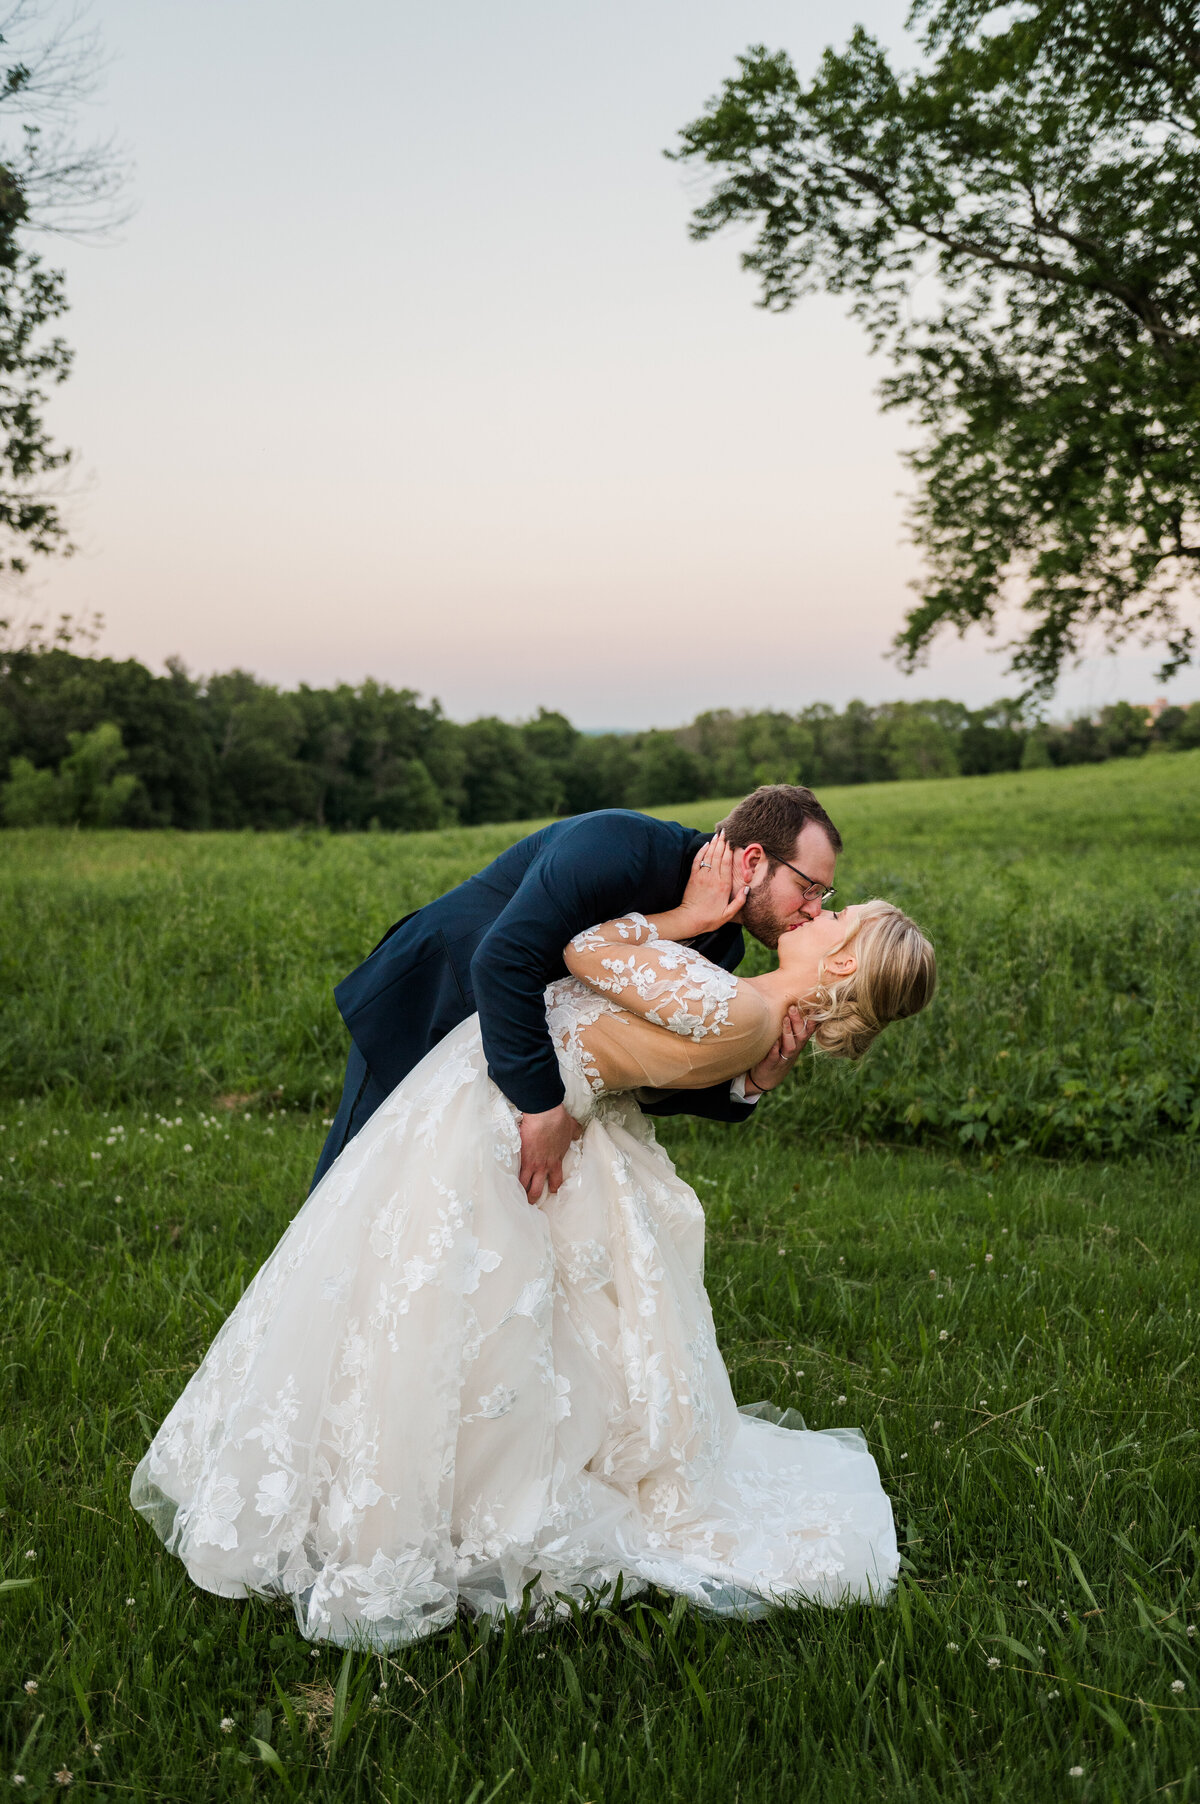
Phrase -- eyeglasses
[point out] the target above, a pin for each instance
(813, 889)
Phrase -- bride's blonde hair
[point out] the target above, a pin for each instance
(896, 976)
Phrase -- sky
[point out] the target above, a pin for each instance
(404, 366)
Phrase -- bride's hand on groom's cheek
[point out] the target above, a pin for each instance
(772, 1070)
(710, 898)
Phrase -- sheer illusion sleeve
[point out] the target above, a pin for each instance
(676, 1021)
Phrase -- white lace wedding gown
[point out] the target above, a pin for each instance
(432, 1393)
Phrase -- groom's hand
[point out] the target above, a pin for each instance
(772, 1070)
(544, 1142)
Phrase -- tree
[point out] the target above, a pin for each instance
(1189, 732)
(30, 798)
(91, 788)
(552, 742)
(1041, 167)
(257, 731)
(915, 742)
(664, 771)
(992, 739)
(47, 691)
(600, 773)
(1124, 730)
(48, 183)
(1036, 755)
(504, 781)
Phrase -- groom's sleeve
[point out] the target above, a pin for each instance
(596, 868)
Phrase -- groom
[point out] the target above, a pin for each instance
(495, 942)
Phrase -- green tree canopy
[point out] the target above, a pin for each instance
(1016, 221)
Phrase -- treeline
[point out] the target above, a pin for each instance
(98, 741)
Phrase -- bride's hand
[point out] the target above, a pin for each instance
(710, 898)
(772, 1070)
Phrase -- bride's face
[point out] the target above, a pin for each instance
(812, 943)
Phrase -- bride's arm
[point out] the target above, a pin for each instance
(667, 984)
(681, 1024)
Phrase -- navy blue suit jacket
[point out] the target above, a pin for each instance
(495, 942)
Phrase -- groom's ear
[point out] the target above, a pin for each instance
(747, 861)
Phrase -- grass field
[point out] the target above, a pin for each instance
(1016, 1332)
(1065, 906)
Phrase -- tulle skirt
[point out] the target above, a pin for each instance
(433, 1394)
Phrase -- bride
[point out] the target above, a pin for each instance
(434, 1394)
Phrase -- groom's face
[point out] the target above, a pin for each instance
(776, 903)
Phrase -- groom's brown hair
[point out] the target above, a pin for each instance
(774, 818)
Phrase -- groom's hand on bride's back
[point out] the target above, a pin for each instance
(544, 1141)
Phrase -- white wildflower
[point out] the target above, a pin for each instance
(1178, 1685)
(226, 1724)
(31, 1687)
(993, 1662)
(841, 1399)
(1075, 1772)
(952, 1647)
(945, 1334)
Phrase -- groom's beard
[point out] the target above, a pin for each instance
(760, 920)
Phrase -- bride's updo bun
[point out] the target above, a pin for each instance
(896, 976)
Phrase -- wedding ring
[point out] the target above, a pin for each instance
(704, 863)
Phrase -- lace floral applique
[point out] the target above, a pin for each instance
(689, 994)
(571, 1007)
(495, 1404)
(633, 927)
